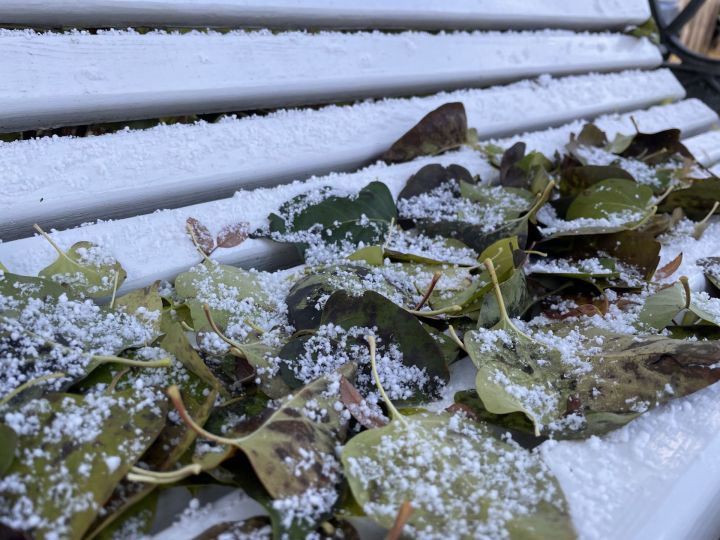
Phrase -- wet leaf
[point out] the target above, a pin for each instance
(443, 129)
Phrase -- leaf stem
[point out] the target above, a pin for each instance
(174, 394)
(28, 384)
(500, 300)
(195, 242)
(211, 321)
(431, 313)
(46, 236)
(102, 359)
(373, 366)
(115, 288)
(403, 515)
(137, 474)
(436, 277)
(686, 285)
(701, 225)
(455, 338)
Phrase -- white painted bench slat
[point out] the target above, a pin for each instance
(58, 79)
(64, 181)
(141, 243)
(416, 14)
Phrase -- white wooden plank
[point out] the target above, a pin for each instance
(404, 14)
(705, 147)
(55, 79)
(142, 243)
(62, 182)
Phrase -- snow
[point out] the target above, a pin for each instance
(67, 180)
(681, 241)
(79, 77)
(141, 243)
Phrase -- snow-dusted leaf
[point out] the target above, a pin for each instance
(22, 289)
(576, 179)
(433, 176)
(87, 270)
(145, 304)
(615, 199)
(335, 220)
(696, 200)
(400, 334)
(86, 452)
(304, 430)
(233, 235)
(457, 477)
(711, 268)
(442, 129)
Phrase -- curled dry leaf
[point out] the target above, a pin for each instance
(200, 235)
(443, 129)
(233, 235)
(670, 268)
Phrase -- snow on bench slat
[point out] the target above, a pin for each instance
(156, 246)
(705, 147)
(75, 78)
(64, 181)
(419, 14)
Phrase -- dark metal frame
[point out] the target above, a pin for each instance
(702, 65)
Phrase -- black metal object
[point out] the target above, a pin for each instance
(670, 38)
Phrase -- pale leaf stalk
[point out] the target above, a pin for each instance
(137, 474)
(455, 338)
(195, 242)
(373, 366)
(102, 359)
(174, 394)
(431, 313)
(30, 383)
(500, 300)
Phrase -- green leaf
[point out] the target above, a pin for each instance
(86, 270)
(575, 180)
(85, 454)
(608, 198)
(442, 129)
(145, 304)
(362, 218)
(662, 307)
(395, 327)
(697, 200)
(373, 255)
(22, 289)
(517, 300)
(305, 426)
(8, 444)
(457, 477)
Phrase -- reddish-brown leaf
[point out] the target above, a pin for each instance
(358, 407)
(233, 235)
(670, 268)
(201, 235)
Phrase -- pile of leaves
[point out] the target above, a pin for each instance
(320, 391)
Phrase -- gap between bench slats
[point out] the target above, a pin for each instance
(380, 14)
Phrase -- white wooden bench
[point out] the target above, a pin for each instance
(531, 84)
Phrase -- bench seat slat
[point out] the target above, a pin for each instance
(142, 243)
(76, 78)
(64, 181)
(419, 14)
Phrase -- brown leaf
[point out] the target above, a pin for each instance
(201, 236)
(670, 268)
(439, 130)
(233, 235)
(358, 407)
